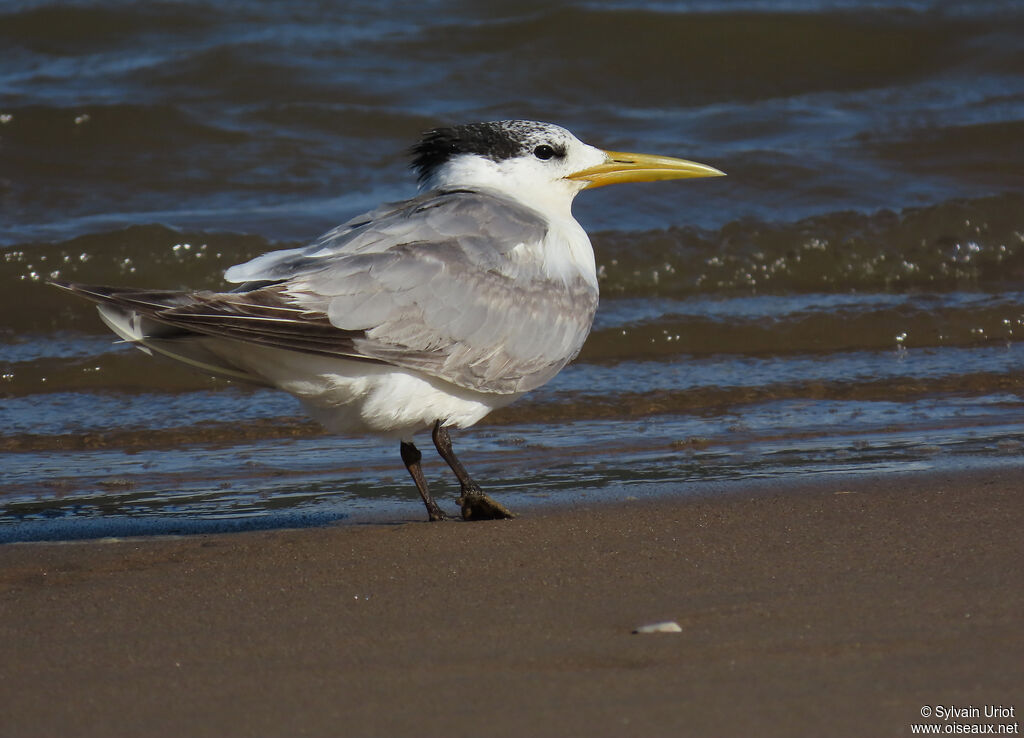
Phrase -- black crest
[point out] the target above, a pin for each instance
(496, 140)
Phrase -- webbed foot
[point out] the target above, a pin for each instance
(478, 506)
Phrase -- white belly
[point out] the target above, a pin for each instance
(363, 397)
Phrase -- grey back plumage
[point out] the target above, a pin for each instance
(445, 284)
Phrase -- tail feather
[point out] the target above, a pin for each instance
(128, 313)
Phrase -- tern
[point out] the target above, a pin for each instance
(423, 314)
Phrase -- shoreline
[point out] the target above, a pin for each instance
(826, 606)
(393, 510)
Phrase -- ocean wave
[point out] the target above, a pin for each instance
(961, 243)
(976, 244)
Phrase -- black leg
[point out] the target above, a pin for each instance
(411, 458)
(475, 504)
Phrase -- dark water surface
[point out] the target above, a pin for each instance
(850, 299)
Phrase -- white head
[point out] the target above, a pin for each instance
(539, 164)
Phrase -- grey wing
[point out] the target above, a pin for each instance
(448, 284)
(476, 219)
(371, 231)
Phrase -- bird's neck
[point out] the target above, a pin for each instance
(568, 254)
(551, 198)
(566, 251)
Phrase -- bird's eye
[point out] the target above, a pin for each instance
(544, 152)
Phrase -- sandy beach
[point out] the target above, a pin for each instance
(815, 608)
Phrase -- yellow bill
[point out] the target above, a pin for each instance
(624, 167)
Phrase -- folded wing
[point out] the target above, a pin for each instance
(451, 284)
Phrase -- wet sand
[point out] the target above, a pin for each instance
(832, 607)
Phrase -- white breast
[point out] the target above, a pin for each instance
(362, 397)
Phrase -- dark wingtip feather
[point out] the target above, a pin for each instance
(96, 293)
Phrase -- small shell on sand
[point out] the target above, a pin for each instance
(669, 626)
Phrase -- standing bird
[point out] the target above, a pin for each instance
(427, 313)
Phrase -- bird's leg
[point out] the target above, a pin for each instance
(475, 504)
(411, 458)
